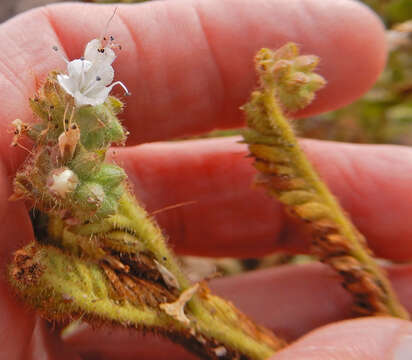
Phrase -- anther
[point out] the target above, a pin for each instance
(98, 78)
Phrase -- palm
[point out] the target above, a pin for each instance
(185, 82)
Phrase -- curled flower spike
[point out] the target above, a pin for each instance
(89, 77)
(98, 255)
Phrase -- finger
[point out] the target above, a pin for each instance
(45, 344)
(230, 218)
(17, 322)
(16, 325)
(363, 339)
(271, 297)
(122, 344)
(189, 63)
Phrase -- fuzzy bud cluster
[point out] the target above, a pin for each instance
(66, 174)
(292, 75)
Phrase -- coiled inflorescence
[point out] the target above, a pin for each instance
(287, 83)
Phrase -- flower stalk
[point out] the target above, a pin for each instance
(97, 254)
(288, 83)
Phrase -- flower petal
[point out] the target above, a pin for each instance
(76, 67)
(67, 84)
(77, 70)
(88, 77)
(98, 97)
(101, 71)
(106, 74)
(93, 54)
(101, 92)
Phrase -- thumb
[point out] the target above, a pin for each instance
(362, 339)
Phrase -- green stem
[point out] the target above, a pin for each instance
(288, 175)
(306, 171)
(209, 325)
(150, 235)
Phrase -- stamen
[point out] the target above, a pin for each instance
(103, 35)
(115, 46)
(65, 121)
(56, 49)
(127, 93)
(71, 117)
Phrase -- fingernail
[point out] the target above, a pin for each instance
(403, 350)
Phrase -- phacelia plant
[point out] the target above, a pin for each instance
(287, 83)
(98, 255)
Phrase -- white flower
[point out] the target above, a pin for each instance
(89, 77)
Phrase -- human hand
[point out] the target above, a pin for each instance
(189, 67)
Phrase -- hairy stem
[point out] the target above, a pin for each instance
(98, 255)
(287, 174)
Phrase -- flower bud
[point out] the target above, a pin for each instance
(62, 181)
(84, 164)
(109, 176)
(100, 127)
(281, 69)
(316, 82)
(90, 196)
(306, 63)
(288, 51)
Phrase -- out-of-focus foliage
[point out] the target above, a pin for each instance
(384, 114)
(392, 11)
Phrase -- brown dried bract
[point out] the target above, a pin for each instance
(139, 281)
(328, 243)
(26, 269)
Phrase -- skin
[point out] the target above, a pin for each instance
(188, 66)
